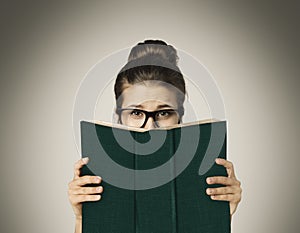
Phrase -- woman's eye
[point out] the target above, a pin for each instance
(164, 113)
(136, 113)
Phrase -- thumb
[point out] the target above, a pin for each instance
(78, 165)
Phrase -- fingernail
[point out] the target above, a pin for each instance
(208, 180)
(98, 179)
(99, 189)
(208, 191)
(85, 160)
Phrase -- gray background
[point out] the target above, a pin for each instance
(251, 48)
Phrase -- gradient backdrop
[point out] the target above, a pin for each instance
(250, 47)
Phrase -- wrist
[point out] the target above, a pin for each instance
(78, 218)
(78, 225)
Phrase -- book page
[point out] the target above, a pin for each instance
(120, 126)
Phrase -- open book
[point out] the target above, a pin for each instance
(154, 180)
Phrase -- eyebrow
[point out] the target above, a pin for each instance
(159, 106)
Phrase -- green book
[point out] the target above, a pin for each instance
(154, 180)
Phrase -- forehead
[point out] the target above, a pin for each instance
(148, 94)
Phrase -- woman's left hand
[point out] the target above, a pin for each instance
(232, 191)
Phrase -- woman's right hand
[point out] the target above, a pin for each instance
(78, 193)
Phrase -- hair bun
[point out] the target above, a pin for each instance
(156, 48)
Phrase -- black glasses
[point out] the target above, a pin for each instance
(138, 117)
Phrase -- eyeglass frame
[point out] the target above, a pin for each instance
(148, 114)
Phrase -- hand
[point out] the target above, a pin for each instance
(78, 193)
(232, 191)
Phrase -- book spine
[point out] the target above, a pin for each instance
(134, 181)
(173, 184)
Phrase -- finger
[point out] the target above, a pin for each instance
(78, 165)
(228, 165)
(83, 198)
(86, 190)
(83, 180)
(221, 180)
(222, 190)
(224, 197)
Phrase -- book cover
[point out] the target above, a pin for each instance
(154, 180)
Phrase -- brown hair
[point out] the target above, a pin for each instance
(151, 60)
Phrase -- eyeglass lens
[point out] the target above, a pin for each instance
(137, 118)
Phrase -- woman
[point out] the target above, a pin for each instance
(150, 92)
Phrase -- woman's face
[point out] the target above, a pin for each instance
(138, 99)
